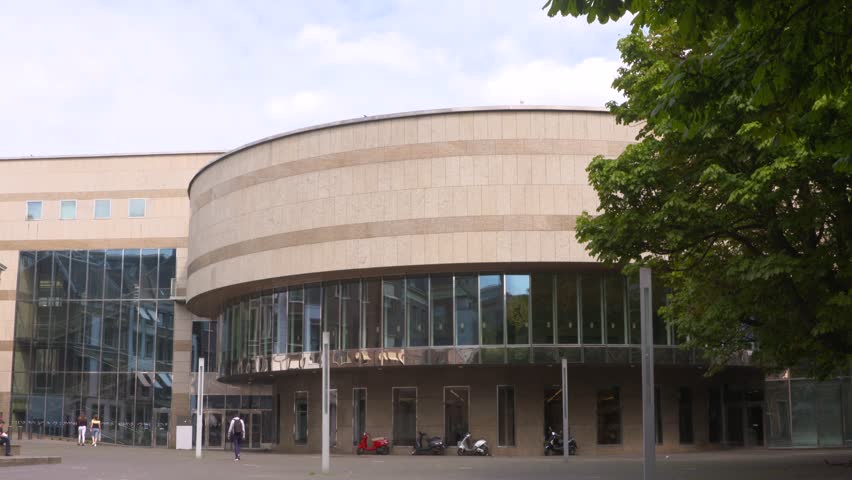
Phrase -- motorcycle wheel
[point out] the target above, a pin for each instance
(437, 451)
(572, 451)
(360, 451)
(486, 452)
(460, 452)
(382, 450)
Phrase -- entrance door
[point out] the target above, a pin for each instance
(456, 406)
(552, 409)
(213, 426)
(161, 428)
(754, 425)
(253, 430)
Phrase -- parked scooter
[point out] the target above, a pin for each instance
(380, 445)
(480, 447)
(554, 445)
(435, 445)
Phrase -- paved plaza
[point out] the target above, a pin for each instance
(126, 463)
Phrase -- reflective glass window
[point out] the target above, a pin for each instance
(456, 413)
(95, 276)
(44, 275)
(165, 337)
(313, 318)
(166, 271)
(393, 301)
(103, 208)
(359, 414)
(34, 210)
(371, 313)
(68, 209)
(110, 342)
(634, 309)
(204, 341)
(127, 336)
(130, 274)
(58, 336)
(542, 308)
(61, 274)
(331, 313)
(296, 312)
(79, 269)
(404, 416)
(590, 286)
(146, 336)
(417, 311)
(614, 294)
(467, 309)
(804, 402)
(76, 322)
(268, 324)
(150, 264)
(112, 276)
(441, 290)
(658, 292)
(609, 416)
(300, 414)
(505, 416)
(491, 303)
(566, 308)
(685, 430)
(518, 309)
(281, 319)
(26, 276)
(136, 207)
(350, 309)
(92, 336)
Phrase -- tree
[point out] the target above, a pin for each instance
(738, 190)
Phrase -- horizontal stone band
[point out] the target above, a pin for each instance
(408, 152)
(93, 243)
(105, 194)
(423, 226)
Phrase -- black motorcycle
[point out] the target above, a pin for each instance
(434, 446)
(554, 445)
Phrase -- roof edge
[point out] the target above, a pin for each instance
(111, 155)
(391, 116)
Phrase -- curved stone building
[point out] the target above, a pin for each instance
(438, 249)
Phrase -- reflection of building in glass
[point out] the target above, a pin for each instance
(437, 248)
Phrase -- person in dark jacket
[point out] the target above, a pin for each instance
(235, 433)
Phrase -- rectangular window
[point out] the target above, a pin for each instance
(634, 325)
(685, 415)
(614, 294)
(658, 292)
(112, 280)
(149, 276)
(505, 416)
(404, 415)
(103, 208)
(204, 340)
(313, 318)
(714, 415)
(517, 309)
(393, 303)
(442, 310)
(566, 308)
(542, 308)
(456, 410)
(331, 313)
(467, 309)
(136, 207)
(359, 414)
(34, 210)
(658, 414)
(295, 312)
(491, 303)
(350, 308)
(609, 416)
(131, 272)
(590, 286)
(68, 209)
(371, 314)
(417, 311)
(332, 418)
(300, 421)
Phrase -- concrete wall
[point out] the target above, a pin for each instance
(529, 383)
(464, 187)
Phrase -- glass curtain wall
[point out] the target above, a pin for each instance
(93, 335)
(441, 310)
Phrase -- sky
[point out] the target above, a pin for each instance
(112, 76)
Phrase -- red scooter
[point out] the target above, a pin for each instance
(380, 445)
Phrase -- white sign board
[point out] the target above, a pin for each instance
(184, 437)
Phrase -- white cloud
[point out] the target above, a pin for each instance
(305, 103)
(543, 82)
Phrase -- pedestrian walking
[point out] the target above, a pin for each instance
(6, 441)
(81, 429)
(96, 430)
(235, 433)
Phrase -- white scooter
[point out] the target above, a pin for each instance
(480, 447)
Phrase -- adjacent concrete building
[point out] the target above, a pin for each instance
(437, 247)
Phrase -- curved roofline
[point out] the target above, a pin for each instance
(86, 156)
(390, 116)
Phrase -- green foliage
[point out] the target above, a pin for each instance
(739, 191)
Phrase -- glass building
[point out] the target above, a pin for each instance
(94, 335)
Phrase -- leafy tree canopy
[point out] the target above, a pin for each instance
(738, 190)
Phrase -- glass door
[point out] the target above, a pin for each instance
(213, 426)
(161, 428)
(455, 414)
(253, 426)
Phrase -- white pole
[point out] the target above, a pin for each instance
(565, 435)
(199, 408)
(325, 399)
(647, 330)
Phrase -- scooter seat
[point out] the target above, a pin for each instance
(379, 439)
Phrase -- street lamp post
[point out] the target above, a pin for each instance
(647, 326)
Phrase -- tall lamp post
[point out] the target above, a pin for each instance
(325, 401)
(647, 332)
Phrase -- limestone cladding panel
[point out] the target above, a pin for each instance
(461, 187)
